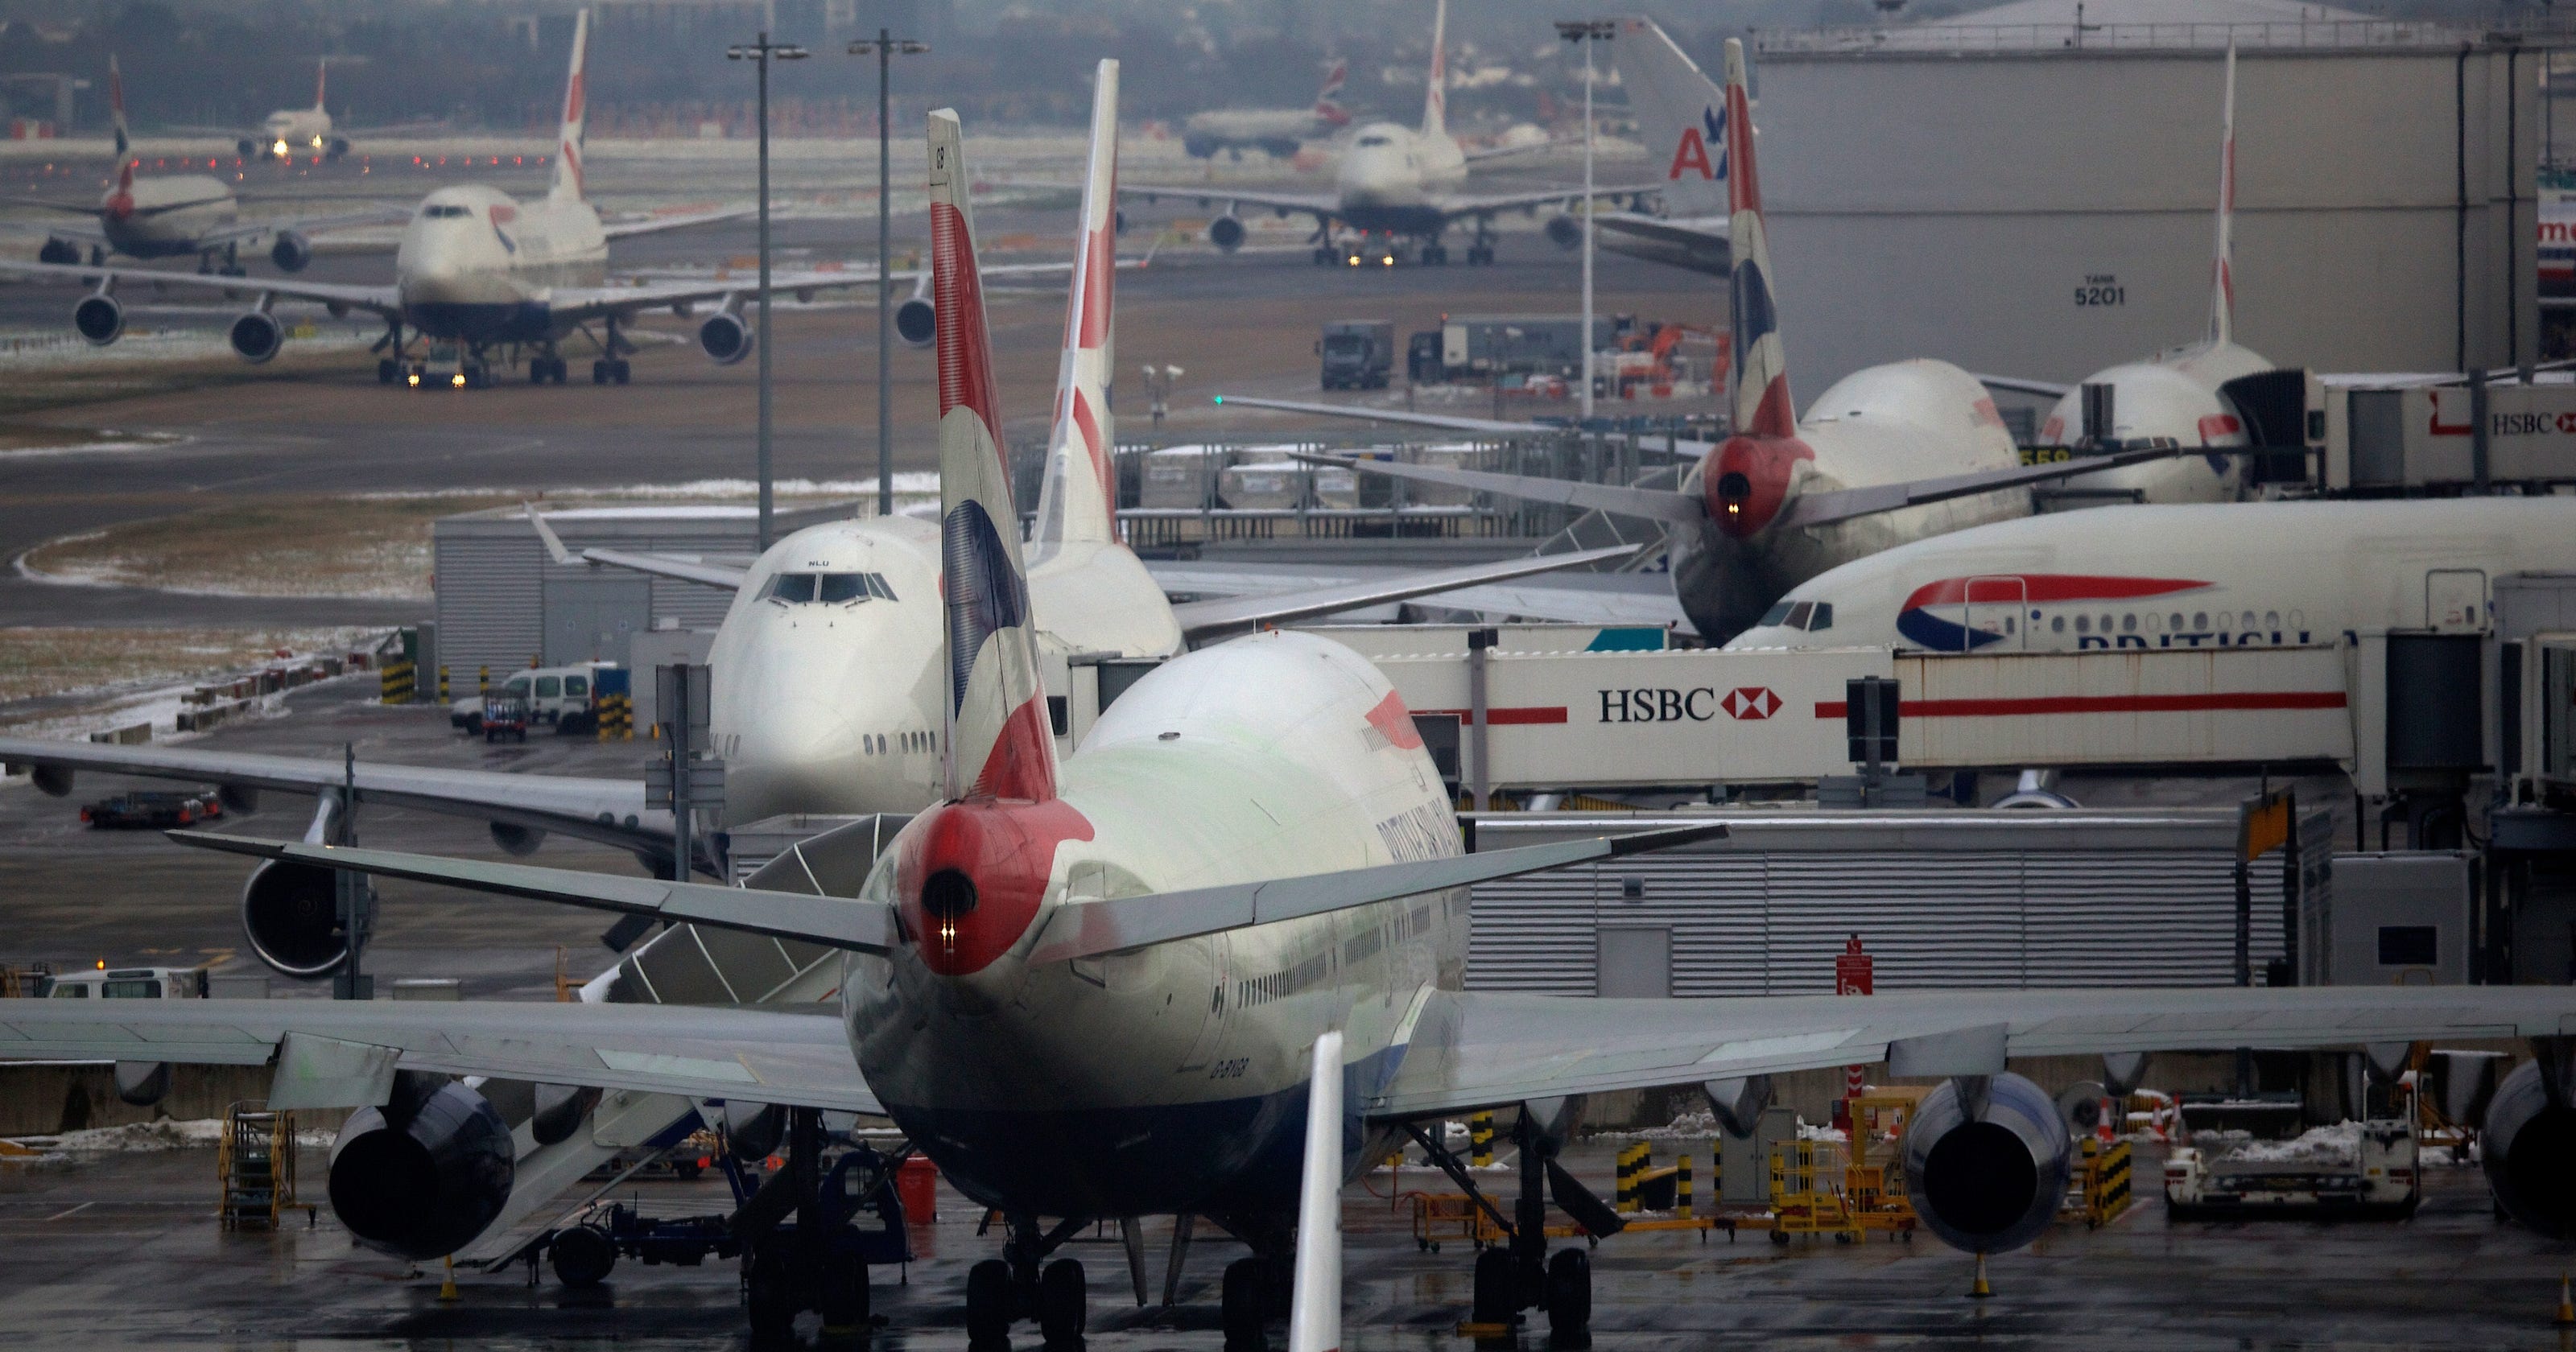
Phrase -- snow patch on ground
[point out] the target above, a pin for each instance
(137, 1138)
(2341, 1141)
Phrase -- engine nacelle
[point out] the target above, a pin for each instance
(257, 336)
(291, 251)
(423, 1175)
(518, 841)
(100, 319)
(724, 338)
(239, 799)
(916, 321)
(560, 1111)
(291, 916)
(1564, 232)
(246, 146)
(1226, 233)
(339, 146)
(2530, 1154)
(1987, 1177)
(142, 1083)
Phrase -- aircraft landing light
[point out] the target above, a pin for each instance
(457, 380)
(415, 379)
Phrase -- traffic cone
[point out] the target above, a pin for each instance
(447, 1288)
(2566, 1303)
(1979, 1290)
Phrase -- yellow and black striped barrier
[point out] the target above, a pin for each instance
(483, 680)
(1682, 1188)
(1480, 1140)
(616, 718)
(396, 681)
(443, 696)
(1633, 1163)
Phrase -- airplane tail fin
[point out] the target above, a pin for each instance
(567, 185)
(1078, 502)
(1762, 405)
(1677, 116)
(2222, 263)
(1328, 100)
(116, 107)
(321, 81)
(1435, 102)
(1000, 742)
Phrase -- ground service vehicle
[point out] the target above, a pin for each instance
(1358, 353)
(563, 698)
(150, 809)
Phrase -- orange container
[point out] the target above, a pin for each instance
(916, 1186)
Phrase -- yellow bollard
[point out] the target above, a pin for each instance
(1682, 1188)
(1980, 1290)
(1480, 1140)
(483, 681)
(447, 1288)
(442, 683)
(2566, 1303)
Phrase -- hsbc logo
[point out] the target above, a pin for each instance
(1750, 702)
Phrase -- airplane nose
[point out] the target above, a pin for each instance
(1747, 482)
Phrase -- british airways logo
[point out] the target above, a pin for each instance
(1963, 614)
(1692, 152)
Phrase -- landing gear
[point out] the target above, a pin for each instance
(1435, 255)
(59, 251)
(1520, 1274)
(388, 371)
(1497, 1288)
(1002, 1290)
(1251, 1298)
(544, 368)
(1325, 256)
(819, 1260)
(1064, 1304)
(609, 371)
(1480, 250)
(1569, 1298)
(232, 262)
(990, 1305)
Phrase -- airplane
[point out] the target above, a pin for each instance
(1279, 131)
(174, 215)
(487, 272)
(2209, 575)
(1886, 454)
(1678, 115)
(1142, 978)
(2179, 397)
(1398, 182)
(290, 132)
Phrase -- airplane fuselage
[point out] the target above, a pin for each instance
(292, 131)
(166, 217)
(1168, 1078)
(2222, 575)
(477, 265)
(1392, 178)
(2171, 399)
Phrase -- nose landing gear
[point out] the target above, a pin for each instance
(1000, 1291)
(1520, 1273)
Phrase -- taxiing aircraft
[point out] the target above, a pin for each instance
(1103, 986)
(1398, 182)
(1885, 455)
(1279, 131)
(2217, 575)
(175, 215)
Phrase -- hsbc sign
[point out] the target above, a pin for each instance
(1697, 704)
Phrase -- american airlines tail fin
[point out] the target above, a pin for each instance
(116, 107)
(1677, 117)
(567, 186)
(1435, 102)
(1762, 404)
(1079, 498)
(1000, 742)
(1328, 100)
(2222, 263)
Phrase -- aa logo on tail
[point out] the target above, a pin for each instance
(1692, 152)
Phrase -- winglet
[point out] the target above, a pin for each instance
(1000, 741)
(567, 185)
(1315, 1302)
(2222, 263)
(1762, 406)
(553, 542)
(1078, 500)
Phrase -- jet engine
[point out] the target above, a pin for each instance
(516, 840)
(58, 250)
(100, 319)
(424, 1174)
(291, 915)
(339, 146)
(916, 321)
(291, 251)
(246, 146)
(1564, 232)
(1986, 1162)
(1226, 233)
(257, 336)
(724, 338)
(2531, 1153)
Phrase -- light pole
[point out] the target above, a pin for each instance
(1587, 32)
(761, 53)
(885, 46)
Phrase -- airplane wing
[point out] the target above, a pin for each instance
(89, 209)
(1842, 504)
(1446, 422)
(1506, 152)
(587, 302)
(1454, 207)
(2046, 389)
(1571, 597)
(311, 225)
(610, 811)
(660, 565)
(799, 1059)
(1654, 504)
(1474, 1050)
(1312, 204)
(1703, 242)
(1201, 620)
(674, 220)
(382, 300)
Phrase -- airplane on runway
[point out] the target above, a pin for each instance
(1279, 131)
(1397, 182)
(175, 215)
(2213, 575)
(489, 273)
(1886, 454)
(1103, 986)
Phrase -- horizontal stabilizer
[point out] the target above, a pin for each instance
(1843, 504)
(2048, 389)
(862, 926)
(1398, 417)
(1653, 504)
(1088, 928)
(1201, 620)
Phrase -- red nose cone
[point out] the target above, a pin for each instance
(971, 876)
(1747, 481)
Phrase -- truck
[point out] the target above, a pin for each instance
(1487, 347)
(2365, 1168)
(1358, 354)
(563, 698)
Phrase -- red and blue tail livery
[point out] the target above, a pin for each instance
(1963, 614)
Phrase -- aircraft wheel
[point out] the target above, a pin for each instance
(845, 1294)
(536, 370)
(1496, 1299)
(769, 1296)
(599, 373)
(1245, 1305)
(582, 1256)
(1569, 1298)
(1323, 258)
(1064, 1303)
(618, 370)
(1435, 255)
(988, 1305)
(386, 371)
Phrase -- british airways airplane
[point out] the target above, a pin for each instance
(2218, 575)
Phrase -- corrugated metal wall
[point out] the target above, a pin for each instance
(1748, 922)
(491, 602)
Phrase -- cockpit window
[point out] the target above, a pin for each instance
(828, 588)
(1798, 615)
(1822, 617)
(445, 212)
(1777, 614)
(1374, 141)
